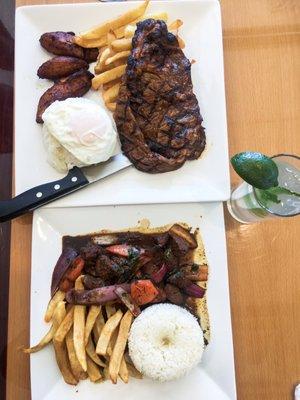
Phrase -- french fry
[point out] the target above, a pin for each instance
(121, 44)
(90, 321)
(108, 76)
(93, 371)
(110, 38)
(175, 25)
(123, 372)
(59, 296)
(129, 31)
(112, 343)
(98, 326)
(159, 15)
(110, 310)
(76, 368)
(58, 316)
(107, 331)
(110, 96)
(181, 42)
(106, 53)
(108, 85)
(63, 363)
(78, 328)
(91, 352)
(89, 43)
(65, 326)
(117, 56)
(118, 351)
(111, 106)
(120, 32)
(134, 372)
(106, 373)
(116, 23)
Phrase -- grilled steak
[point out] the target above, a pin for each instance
(157, 113)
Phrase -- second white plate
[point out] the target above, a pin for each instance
(206, 179)
(213, 379)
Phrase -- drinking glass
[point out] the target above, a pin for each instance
(248, 204)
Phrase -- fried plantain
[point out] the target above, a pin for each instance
(63, 44)
(91, 55)
(60, 67)
(75, 85)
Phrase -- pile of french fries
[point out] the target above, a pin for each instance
(113, 38)
(89, 341)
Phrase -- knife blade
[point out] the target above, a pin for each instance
(76, 179)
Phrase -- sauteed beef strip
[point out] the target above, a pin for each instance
(91, 251)
(174, 294)
(92, 282)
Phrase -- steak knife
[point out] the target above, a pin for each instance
(77, 178)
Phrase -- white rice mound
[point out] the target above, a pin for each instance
(165, 342)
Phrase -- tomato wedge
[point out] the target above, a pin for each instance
(124, 250)
(75, 269)
(143, 291)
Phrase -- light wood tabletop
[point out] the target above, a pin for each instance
(262, 64)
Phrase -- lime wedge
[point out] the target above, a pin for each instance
(256, 169)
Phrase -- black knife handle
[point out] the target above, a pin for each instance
(40, 195)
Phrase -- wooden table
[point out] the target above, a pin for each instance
(262, 64)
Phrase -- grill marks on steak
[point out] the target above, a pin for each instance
(157, 113)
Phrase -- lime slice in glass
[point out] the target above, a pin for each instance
(256, 169)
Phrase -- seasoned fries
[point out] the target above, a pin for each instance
(90, 321)
(111, 106)
(90, 43)
(129, 31)
(59, 296)
(108, 76)
(181, 42)
(118, 56)
(91, 351)
(111, 95)
(65, 326)
(63, 363)
(78, 328)
(118, 351)
(76, 368)
(93, 371)
(110, 310)
(123, 372)
(109, 335)
(107, 331)
(58, 316)
(121, 44)
(175, 25)
(116, 23)
(98, 326)
(133, 371)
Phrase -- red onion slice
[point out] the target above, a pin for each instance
(63, 263)
(159, 275)
(194, 290)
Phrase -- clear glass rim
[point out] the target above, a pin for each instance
(264, 207)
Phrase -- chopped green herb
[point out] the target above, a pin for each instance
(168, 253)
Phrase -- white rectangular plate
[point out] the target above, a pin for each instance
(213, 379)
(206, 179)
